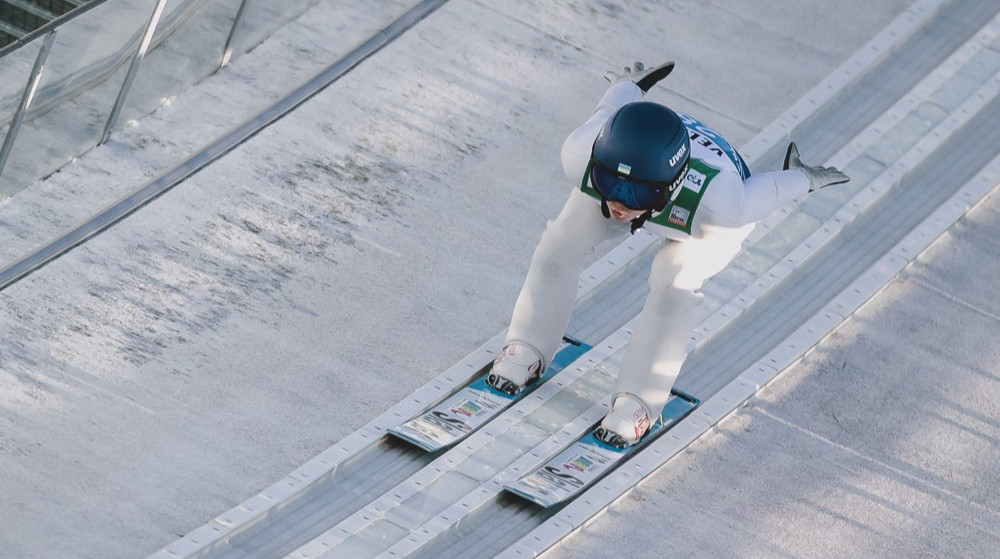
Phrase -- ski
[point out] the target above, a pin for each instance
(475, 404)
(587, 460)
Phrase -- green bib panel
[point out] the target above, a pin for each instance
(679, 214)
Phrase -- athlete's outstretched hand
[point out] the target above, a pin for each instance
(640, 75)
(819, 177)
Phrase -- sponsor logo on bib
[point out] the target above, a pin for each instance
(679, 216)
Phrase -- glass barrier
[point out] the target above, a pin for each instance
(92, 78)
(81, 79)
(14, 73)
(264, 18)
(88, 64)
(187, 47)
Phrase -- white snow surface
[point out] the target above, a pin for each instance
(279, 299)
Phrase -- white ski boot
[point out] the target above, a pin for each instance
(626, 424)
(517, 366)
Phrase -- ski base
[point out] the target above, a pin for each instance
(587, 460)
(474, 405)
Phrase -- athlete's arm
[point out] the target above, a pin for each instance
(730, 202)
(576, 148)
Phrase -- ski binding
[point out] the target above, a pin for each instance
(587, 460)
(457, 416)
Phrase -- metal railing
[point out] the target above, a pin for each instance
(68, 85)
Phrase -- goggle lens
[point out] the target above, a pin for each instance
(634, 194)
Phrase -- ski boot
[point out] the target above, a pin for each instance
(517, 366)
(626, 424)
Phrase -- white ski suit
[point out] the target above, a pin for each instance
(700, 244)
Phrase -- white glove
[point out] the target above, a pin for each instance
(819, 177)
(640, 76)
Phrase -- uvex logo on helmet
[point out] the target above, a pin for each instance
(677, 156)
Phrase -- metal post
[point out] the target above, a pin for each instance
(227, 53)
(147, 37)
(26, 98)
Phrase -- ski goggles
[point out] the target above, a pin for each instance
(633, 193)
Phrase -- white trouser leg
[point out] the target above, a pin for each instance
(546, 302)
(659, 344)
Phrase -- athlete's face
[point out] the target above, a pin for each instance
(620, 212)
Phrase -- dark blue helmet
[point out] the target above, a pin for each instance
(640, 156)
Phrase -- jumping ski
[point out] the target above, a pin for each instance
(587, 460)
(457, 416)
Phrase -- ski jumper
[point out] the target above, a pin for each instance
(705, 224)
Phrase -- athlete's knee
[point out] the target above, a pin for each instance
(558, 249)
(666, 265)
(673, 301)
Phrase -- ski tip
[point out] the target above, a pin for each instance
(417, 442)
(529, 497)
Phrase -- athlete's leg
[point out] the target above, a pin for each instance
(659, 343)
(546, 301)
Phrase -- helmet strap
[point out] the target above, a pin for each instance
(638, 222)
(605, 210)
